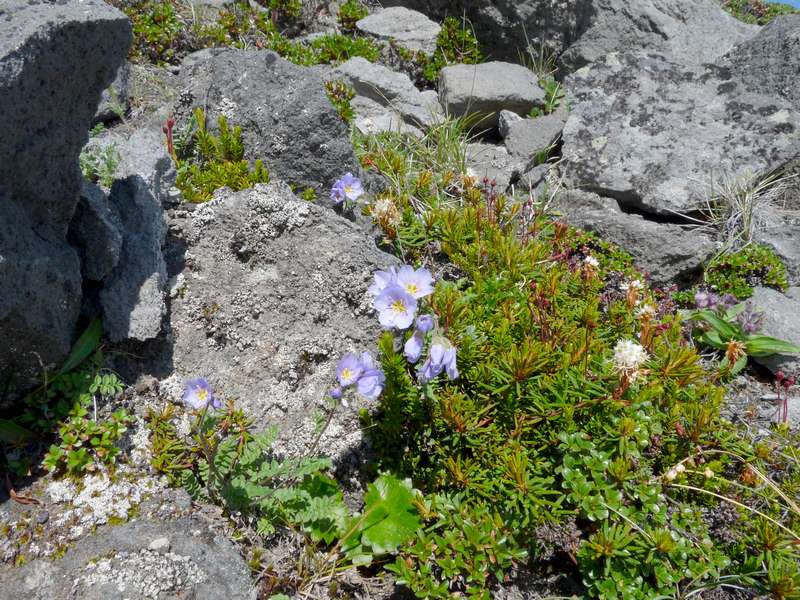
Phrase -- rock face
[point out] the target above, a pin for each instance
(780, 321)
(670, 253)
(389, 89)
(138, 560)
(96, 232)
(285, 116)
(272, 293)
(47, 112)
(115, 97)
(132, 297)
(651, 132)
(525, 137)
(689, 30)
(488, 88)
(410, 29)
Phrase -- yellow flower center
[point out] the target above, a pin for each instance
(202, 395)
(346, 374)
(398, 307)
(348, 189)
(411, 288)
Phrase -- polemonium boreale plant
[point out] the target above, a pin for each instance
(442, 357)
(396, 307)
(417, 282)
(347, 188)
(199, 395)
(349, 370)
(414, 345)
(372, 380)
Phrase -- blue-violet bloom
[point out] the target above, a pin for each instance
(425, 323)
(347, 188)
(349, 370)
(442, 357)
(335, 393)
(413, 346)
(418, 283)
(199, 395)
(372, 380)
(396, 307)
(383, 279)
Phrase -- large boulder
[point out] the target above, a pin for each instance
(287, 120)
(389, 89)
(486, 89)
(657, 135)
(780, 321)
(670, 253)
(408, 28)
(46, 114)
(141, 560)
(689, 30)
(269, 293)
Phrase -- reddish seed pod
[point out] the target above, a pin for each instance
(779, 376)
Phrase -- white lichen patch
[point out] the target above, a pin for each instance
(146, 573)
(99, 499)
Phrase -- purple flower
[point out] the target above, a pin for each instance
(425, 323)
(371, 382)
(349, 370)
(413, 346)
(418, 283)
(442, 357)
(335, 393)
(395, 307)
(198, 394)
(347, 188)
(729, 301)
(750, 319)
(706, 300)
(383, 279)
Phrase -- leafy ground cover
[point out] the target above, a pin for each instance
(758, 11)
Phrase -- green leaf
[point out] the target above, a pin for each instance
(11, 433)
(84, 347)
(389, 517)
(723, 328)
(763, 345)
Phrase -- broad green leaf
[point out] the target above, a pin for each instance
(389, 515)
(721, 326)
(763, 345)
(84, 347)
(11, 433)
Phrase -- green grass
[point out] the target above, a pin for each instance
(757, 11)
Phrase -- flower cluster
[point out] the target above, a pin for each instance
(362, 372)
(711, 301)
(750, 319)
(396, 292)
(629, 358)
(347, 188)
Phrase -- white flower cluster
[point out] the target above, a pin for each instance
(629, 357)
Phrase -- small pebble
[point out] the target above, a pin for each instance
(160, 545)
(43, 517)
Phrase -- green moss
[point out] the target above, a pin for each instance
(757, 11)
(738, 272)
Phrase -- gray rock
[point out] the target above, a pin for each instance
(116, 562)
(783, 236)
(494, 163)
(286, 119)
(95, 232)
(652, 133)
(527, 137)
(505, 120)
(768, 61)
(780, 321)
(691, 30)
(46, 109)
(687, 31)
(132, 297)
(488, 88)
(143, 152)
(275, 293)
(46, 114)
(390, 89)
(41, 298)
(372, 117)
(114, 102)
(410, 29)
(670, 253)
